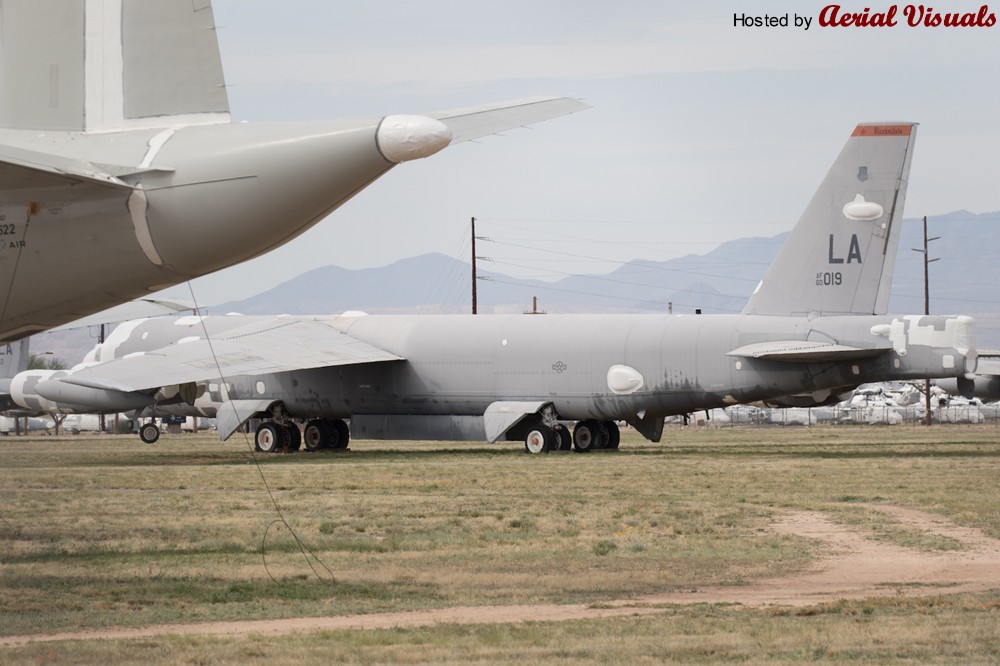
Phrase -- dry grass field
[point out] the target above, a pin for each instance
(696, 549)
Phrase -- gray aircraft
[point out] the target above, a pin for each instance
(815, 326)
(121, 173)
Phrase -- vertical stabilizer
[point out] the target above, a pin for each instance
(13, 358)
(104, 65)
(840, 256)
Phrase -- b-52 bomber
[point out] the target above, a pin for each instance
(121, 173)
(816, 326)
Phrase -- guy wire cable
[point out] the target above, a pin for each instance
(32, 210)
(307, 552)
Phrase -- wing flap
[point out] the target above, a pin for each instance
(276, 345)
(474, 122)
(804, 351)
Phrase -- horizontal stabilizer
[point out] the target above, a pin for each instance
(142, 308)
(803, 351)
(272, 345)
(25, 169)
(474, 122)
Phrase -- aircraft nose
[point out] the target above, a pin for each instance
(403, 138)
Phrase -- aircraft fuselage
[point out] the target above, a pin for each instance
(195, 200)
(588, 366)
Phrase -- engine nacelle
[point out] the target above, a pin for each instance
(23, 390)
(75, 399)
(45, 392)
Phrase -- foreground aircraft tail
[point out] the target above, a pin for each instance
(839, 258)
(146, 63)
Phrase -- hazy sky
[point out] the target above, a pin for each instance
(700, 131)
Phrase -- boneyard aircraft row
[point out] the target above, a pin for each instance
(121, 174)
(815, 325)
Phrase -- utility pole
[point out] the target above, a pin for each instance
(927, 311)
(104, 424)
(474, 305)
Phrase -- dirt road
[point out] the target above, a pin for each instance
(855, 567)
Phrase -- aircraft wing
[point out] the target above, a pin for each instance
(474, 122)
(804, 351)
(272, 345)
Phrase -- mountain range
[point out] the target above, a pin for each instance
(717, 282)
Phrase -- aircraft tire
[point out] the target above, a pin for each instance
(270, 437)
(149, 433)
(343, 434)
(294, 437)
(564, 438)
(318, 435)
(539, 439)
(587, 436)
(614, 435)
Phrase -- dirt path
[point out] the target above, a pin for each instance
(856, 567)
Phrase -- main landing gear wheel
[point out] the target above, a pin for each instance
(589, 435)
(614, 435)
(318, 435)
(270, 437)
(294, 437)
(564, 440)
(343, 434)
(149, 433)
(539, 439)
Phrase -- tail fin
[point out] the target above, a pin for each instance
(13, 358)
(840, 256)
(146, 63)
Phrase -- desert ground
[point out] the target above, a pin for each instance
(756, 545)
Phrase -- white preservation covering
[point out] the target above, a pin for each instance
(405, 138)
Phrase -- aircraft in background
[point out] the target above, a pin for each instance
(121, 171)
(985, 384)
(14, 357)
(815, 326)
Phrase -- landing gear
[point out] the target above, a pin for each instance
(325, 434)
(614, 435)
(592, 434)
(317, 435)
(343, 434)
(539, 439)
(149, 433)
(294, 437)
(588, 435)
(270, 437)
